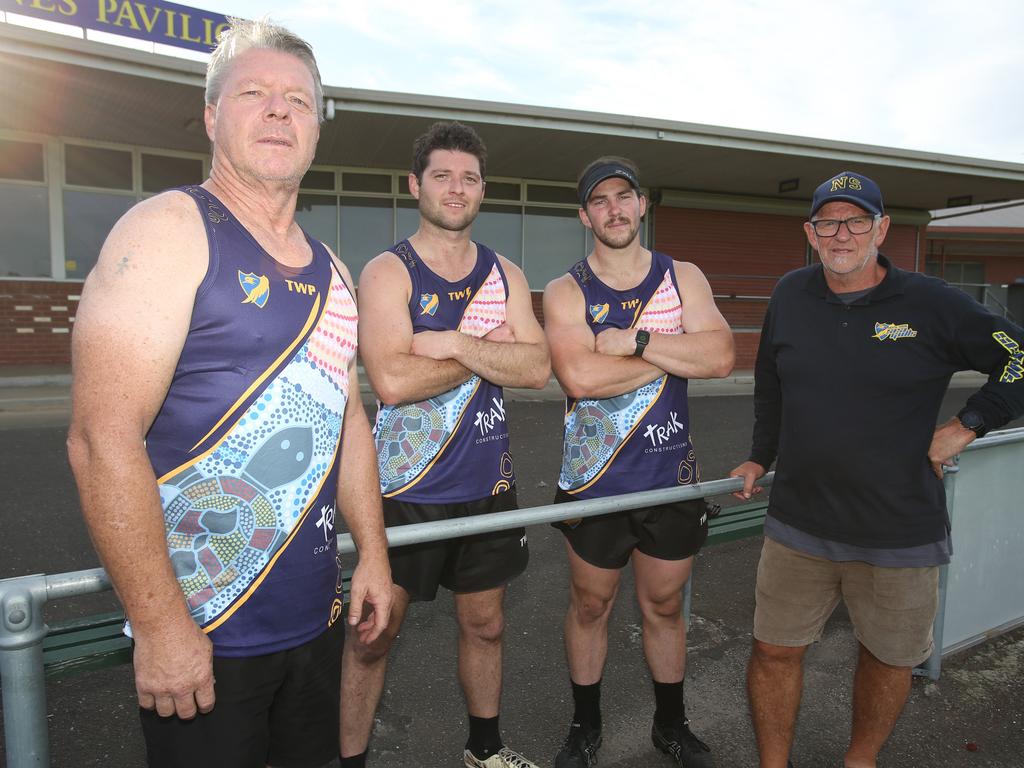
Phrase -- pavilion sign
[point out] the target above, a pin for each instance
(152, 20)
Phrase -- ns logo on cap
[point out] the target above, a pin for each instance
(846, 182)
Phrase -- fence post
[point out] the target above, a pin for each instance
(932, 666)
(21, 671)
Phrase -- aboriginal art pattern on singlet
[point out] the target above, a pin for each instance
(453, 447)
(639, 440)
(246, 444)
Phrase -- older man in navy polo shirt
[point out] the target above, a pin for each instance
(855, 357)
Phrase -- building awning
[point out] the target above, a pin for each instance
(69, 87)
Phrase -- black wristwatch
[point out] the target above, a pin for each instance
(642, 339)
(973, 421)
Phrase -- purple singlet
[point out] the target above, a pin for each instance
(451, 448)
(639, 440)
(245, 446)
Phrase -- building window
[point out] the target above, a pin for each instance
(21, 160)
(160, 172)
(501, 228)
(88, 219)
(317, 179)
(24, 210)
(968, 276)
(548, 193)
(318, 215)
(366, 182)
(25, 222)
(367, 228)
(503, 190)
(554, 242)
(97, 167)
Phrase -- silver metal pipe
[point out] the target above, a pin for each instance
(21, 671)
(77, 583)
(1003, 437)
(26, 739)
(417, 533)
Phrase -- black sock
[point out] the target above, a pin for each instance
(484, 737)
(355, 761)
(668, 699)
(587, 699)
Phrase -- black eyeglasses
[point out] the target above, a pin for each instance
(855, 225)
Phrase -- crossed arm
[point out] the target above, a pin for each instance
(405, 367)
(604, 366)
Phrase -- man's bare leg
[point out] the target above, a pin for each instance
(659, 590)
(481, 626)
(879, 693)
(775, 679)
(591, 596)
(362, 679)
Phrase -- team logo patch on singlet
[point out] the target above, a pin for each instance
(598, 312)
(428, 304)
(256, 288)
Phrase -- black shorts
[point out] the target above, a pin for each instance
(279, 709)
(466, 564)
(666, 532)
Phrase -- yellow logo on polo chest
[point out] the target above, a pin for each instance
(893, 332)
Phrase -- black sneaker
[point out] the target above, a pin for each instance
(580, 748)
(678, 741)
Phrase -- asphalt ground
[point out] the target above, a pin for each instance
(422, 722)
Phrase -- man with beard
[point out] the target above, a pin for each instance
(627, 327)
(217, 427)
(447, 323)
(854, 360)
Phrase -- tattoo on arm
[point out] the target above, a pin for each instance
(122, 265)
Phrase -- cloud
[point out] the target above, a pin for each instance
(939, 77)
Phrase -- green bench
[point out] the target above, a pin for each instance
(96, 642)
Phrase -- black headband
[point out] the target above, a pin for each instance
(599, 173)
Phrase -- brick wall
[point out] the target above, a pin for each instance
(36, 318)
(743, 254)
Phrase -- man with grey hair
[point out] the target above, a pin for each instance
(217, 427)
(854, 359)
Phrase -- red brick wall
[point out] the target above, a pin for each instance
(901, 245)
(1000, 268)
(1003, 269)
(36, 318)
(727, 245)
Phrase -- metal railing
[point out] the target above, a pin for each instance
(22, 599)
(984, 294)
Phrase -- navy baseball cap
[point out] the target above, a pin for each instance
(849, 187)
(599, 173)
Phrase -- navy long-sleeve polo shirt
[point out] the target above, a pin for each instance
(847, 397)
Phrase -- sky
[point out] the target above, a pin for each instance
(936, 76)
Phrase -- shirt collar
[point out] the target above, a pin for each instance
(891, 285)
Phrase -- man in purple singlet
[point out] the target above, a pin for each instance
(445, 323)
(217, 429)
(627, 327)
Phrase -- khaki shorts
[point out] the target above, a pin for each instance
(892, 609)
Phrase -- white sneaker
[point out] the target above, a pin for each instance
(503, 758)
